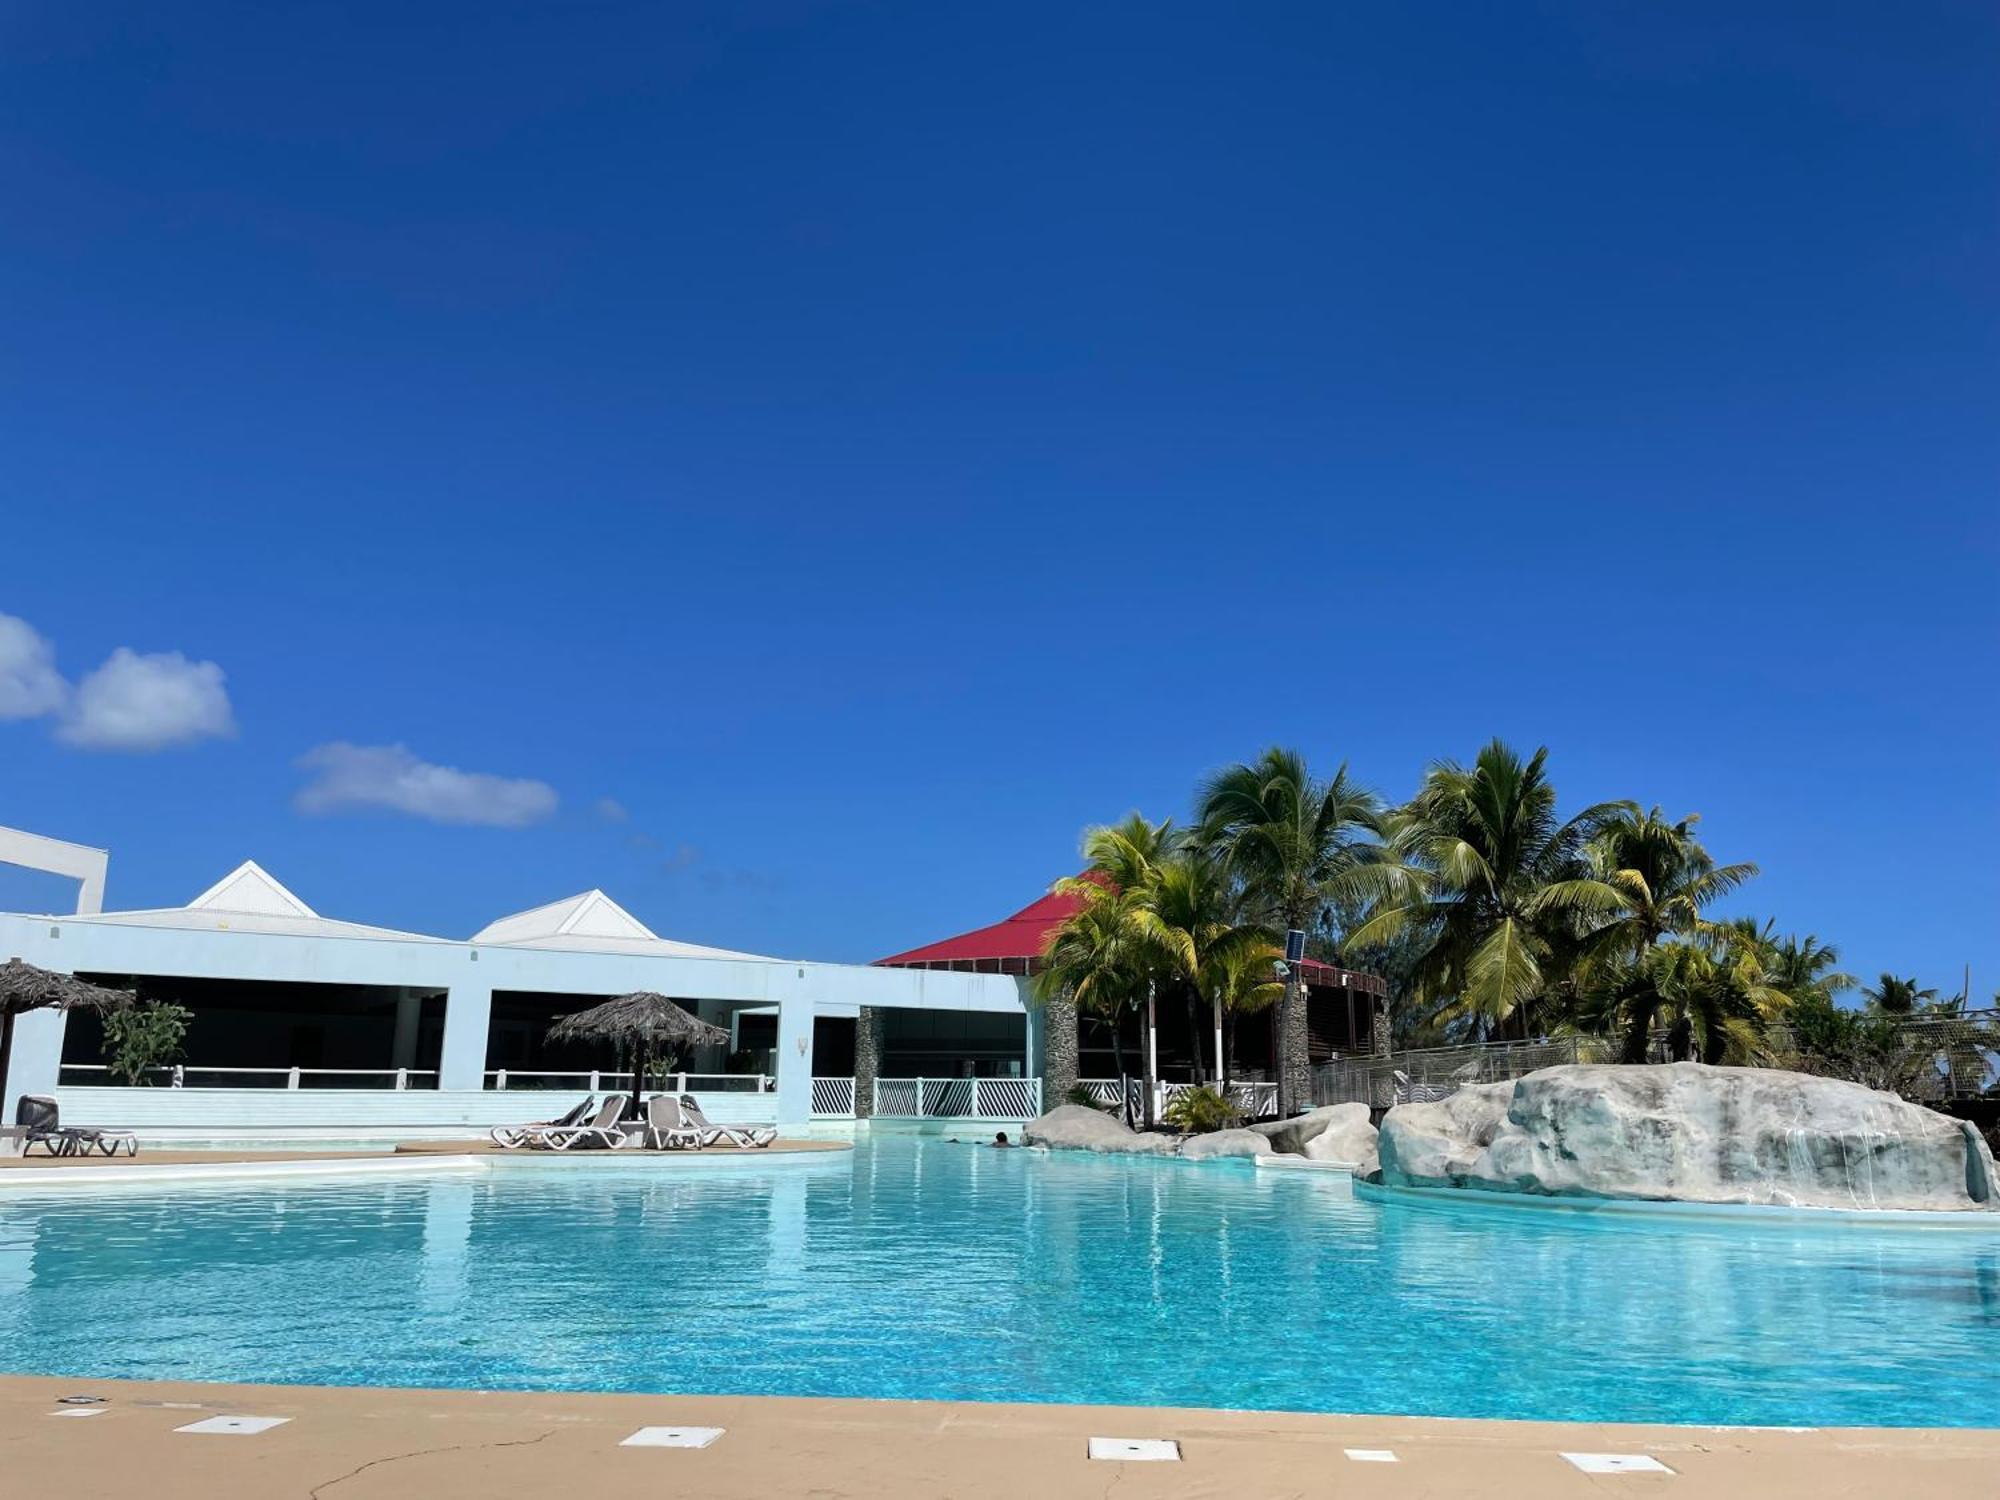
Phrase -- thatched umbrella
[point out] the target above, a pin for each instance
(643, 1021)
(23, 987)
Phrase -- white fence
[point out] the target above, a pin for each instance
(181, 1076)
(833, 1098)
(597, 1083)
(1255, 1100)
(958, 1098)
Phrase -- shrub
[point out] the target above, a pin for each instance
(1201, 1110)
(144, 1036)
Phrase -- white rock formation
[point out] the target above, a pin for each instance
(1225, 1143)
(1691, 1132)
(1077, 1127)
(1333, 1132)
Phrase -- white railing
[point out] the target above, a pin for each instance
(958, 1098)
(1255, 1100)
(610, 1082)
(833, 1098)
(184, 1075)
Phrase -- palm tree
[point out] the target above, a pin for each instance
(1099, 958)
(1891, 996)
(1239, 978)
(1662, 875)
(1713, 1000)
(1500, 886)
(1189, 911)
(1293, 841)
(1803, 967)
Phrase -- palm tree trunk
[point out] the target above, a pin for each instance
(1118, 1055)
(1194, 1032)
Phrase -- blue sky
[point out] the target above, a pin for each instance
(867, 443)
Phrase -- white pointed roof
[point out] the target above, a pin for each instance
(590, 922)
(251, 899)
(251, 888)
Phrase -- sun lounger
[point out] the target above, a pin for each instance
(600, 1132)
(667, 1128)
(511, 1137)
(40, 1116)
(707, 1132)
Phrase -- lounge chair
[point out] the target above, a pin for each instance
(667, 1128)
(42, 1119)
(707, 1132)
(599, 1132)
(512, 1137)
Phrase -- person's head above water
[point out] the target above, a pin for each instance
(1000, 1139)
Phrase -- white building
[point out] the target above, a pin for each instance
(308, 1024)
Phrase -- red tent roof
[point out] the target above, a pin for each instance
(1020, 938)
(1015, 946)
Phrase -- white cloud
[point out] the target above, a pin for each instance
(389, 777)
(30, 685)
(611, 810)
(150, 702)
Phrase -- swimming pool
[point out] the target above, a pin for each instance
(930, 1270)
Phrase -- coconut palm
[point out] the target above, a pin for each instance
(1293, 841)
(1894, 996)
(1189, 911)
(1662, 877)
(1100, 959)
(1712, 1000)
(1240, 979)
(1500, 886)
(1803, 967)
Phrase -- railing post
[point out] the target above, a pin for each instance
(595, 1086)
(500, 1080)
(292, 1079)
(402, 1078)
(180, 1077)
(681, 1082)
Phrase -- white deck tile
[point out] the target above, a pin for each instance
(1372, 1455)
(1617, 1463)
(672, 1437)
(1136, 1450)
(234, 1426)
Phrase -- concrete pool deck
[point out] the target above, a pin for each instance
(374, 1444)
(303, 1155)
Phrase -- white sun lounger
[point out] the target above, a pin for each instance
(707, 1132)
(601, 1131)
(667, 1129)
(511, 1137)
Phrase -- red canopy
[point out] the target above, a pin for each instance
(1015, 946)
(1004, 948)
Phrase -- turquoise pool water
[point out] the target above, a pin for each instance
(924, 1269)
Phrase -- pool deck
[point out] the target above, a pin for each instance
(172, 1157)
(371, 1444)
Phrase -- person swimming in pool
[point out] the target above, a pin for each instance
(1000, 1139)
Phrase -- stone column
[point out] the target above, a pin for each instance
(1059, 1050)
(867, 1059)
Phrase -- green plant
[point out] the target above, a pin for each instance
(143, 1037)
(1200, 1110)
(1081, 1095)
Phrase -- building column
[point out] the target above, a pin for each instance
(409, 1012)
(795, 1058)
(868, 1040)
(36, 1062)
(468, 1012)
